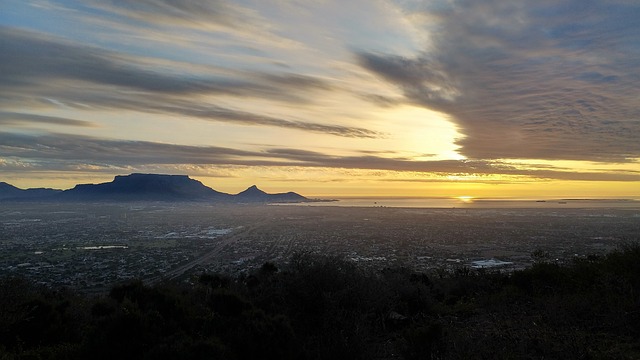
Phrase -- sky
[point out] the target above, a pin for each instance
(435, 98)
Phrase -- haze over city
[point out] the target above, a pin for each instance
(326, 98)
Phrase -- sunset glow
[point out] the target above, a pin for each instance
(466, 199)
(461, 99)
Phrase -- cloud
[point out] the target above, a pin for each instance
(14, 118)
(185, 12)
(30, 58)
(85, 149)
(41, 67)
(422, 78)
(64, 152)
(211, 112)
(541, 80)
(183, 23)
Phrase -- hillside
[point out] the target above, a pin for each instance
(319, 307)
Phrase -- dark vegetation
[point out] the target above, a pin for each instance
(326, 308)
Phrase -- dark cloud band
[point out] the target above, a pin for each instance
(59, 152)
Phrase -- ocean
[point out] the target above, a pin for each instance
(478, 203)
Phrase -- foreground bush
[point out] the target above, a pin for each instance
(327, 308)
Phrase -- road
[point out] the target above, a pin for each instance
(225, 240)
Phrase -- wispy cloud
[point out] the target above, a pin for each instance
(41, 67)
(15, 118)
(31, 58)
(184, 12)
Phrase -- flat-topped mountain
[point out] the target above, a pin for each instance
(147, 187)
(144, 187)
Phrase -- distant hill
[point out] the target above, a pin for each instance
(253, 194)
(147, 187)
(10, 192)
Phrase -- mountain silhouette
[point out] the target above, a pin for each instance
(252, 191)
(147, 187)
(10, 192)
(144, 187)
(254, 194)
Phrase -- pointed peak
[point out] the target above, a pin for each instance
(253, 188)
(252, 191)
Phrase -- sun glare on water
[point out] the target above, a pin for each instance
(465, 199)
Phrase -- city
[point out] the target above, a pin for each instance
(91, 247)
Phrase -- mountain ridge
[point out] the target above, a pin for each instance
(8, 191)
(147, 187)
